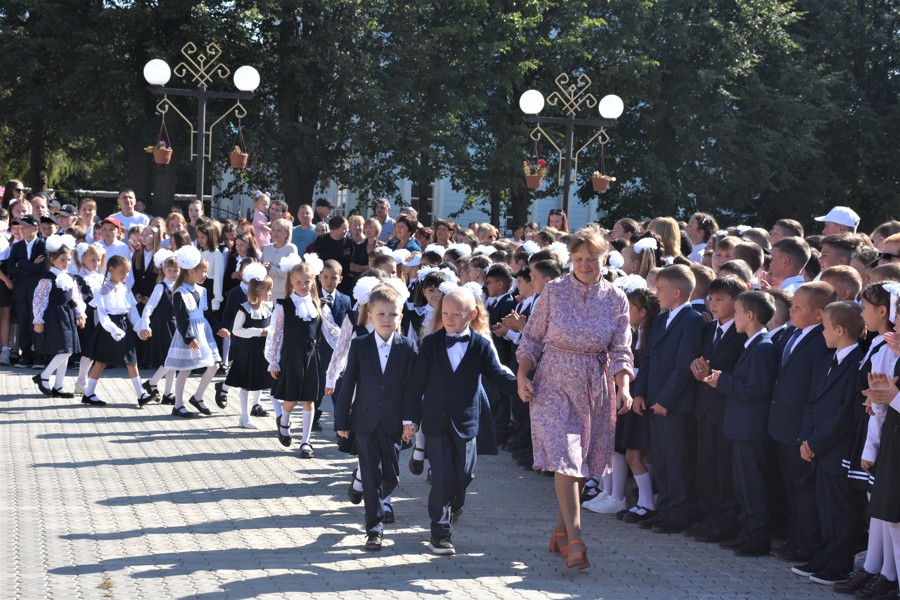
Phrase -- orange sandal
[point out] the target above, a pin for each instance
(555, 538)
(577, 555)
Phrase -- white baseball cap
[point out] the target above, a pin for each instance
(841, 215)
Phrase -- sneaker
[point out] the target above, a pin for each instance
(829, 575)
(878, 587)
(857, 580)
(248, 424)
(441, 546)
(4, 357)
(258, 411)
(806, 570)
(604, 506)
(373, 541)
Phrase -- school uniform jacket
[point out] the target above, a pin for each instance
(670, 352)
(828, 414)
(793, 383)
(748, 389)
(709, 403)
(24, 272)
(379, 396)
(340, 305)
(444, 399)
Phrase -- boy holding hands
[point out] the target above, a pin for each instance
(378, 366)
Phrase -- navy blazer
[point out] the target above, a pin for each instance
(664, 376)
(443, 399)
(340, 305)
(233, 300)
(748, 389)
(828, 415)
(504, 305)
(709, 403)
(379, 396)
(25, 273)
(793, 383)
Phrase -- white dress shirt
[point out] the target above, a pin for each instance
(457, 351)
(384, 350)
(753, 337)
(791, 284)
(674, 312)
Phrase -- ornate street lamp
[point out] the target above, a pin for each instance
(200, 67)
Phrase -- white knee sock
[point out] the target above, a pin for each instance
(619, 476)
(284, 422)
(893, 530)
(245, 413)
(91, 387)
(84, 365)
(875, 549)
(357, 482)
(205, 380)
(225, 388)
(180, 380)
(254, 397)
(52, 366)
(61, 371)
(138, 388)
(226, 349)
(170, 382)
(890, 562)
(307, 426)
(645, 491)
(276, 406)
(419, 443)
(159, 374)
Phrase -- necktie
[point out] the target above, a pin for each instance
(790, 345)
(718, 338)
(834, 364)
(329, 299)
(455, 339)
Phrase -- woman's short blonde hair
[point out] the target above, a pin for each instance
(374, 223)
(284, 224)
(589, 238)
(356, 219)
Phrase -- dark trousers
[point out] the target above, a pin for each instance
(668, 444)
(836, 519)
(715, 492)
(749, 468)
(800, 487)
(452, 470)
(25, 330)
(379, 466)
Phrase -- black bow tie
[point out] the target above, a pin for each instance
(455, 339)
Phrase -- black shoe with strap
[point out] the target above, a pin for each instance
(43, 388)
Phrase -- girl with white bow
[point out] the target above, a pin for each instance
(90, 260)
(59, 312)
(159, 318)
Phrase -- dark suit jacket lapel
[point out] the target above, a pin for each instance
(729, 335)
(850, 361)
(470, 354)
(746, 351)
(374, 357)
(807, 339)
(678, 317)
(396, 357)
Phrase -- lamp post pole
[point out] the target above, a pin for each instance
(201, 66)
(572, 97)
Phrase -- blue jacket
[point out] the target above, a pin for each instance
(665, 375)
(379, 396)
(748, 389)
(709, 403)
(340, 305)
(793, 383)
(26, 273)
(441, 398)
(828, 415)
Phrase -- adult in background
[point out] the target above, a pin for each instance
(127, 215)
(14, 190)
(404, 229)
(323, 210)
(559, 220)
(578, 338)
(337, 246)
(839, 219)
(195, 215)
(87, 211)
(361, 252)
(383, 214)
(304, 233)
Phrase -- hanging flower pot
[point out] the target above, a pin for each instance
(161, 151)
(534, 181)
(238, 158)
(162, 156)
(535, 173)
(601, 182)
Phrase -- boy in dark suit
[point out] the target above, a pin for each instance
(800, 351)
(748, 389)
(825, 435)
(722, 345)
(664, 384)
(339, 303)
(443, 394)
(26, 264)
(499, 304)
(378, 367)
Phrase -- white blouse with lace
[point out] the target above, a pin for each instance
(341, 351)
(115, 299)
(216, 272)
(63, 281)
(306, 310)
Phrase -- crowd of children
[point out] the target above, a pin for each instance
(766, 402)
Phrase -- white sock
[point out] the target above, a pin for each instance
(138, 388)
(276, 406)
(889, 562)
(387, 500)
(357, 482)
(61, 371)
(225, 388)
(619, 476)
(419, 443)
(91, 387)
(180, 380)
(284, 422)
(254, 397)
(875, 549)
(170, 382)
(205, 380)
(245, 414)
(645, 491)
(226, 349)
(159, 374)
(893, 529)
(606, 484)
(307, 426)
(52, 365)
(84, 365)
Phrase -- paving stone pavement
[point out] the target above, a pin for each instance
(121, 503)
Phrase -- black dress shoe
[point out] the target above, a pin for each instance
(40, 383)
(92, 400)
(733, 543)
(354, 496)
(61, 393)
(221, 396)
(258, 411)
(752, 548)
(316, 426)
(714, 536)
(650, 523)
(306, 451)
(877, 588)
(640, 515)
(696, 529)
(168, 399)
(670, 526)
(144, 400)
(389, 515)
(373, 541)
(151, 391)
(858, 580)
(284, 439)
(199, 406)
(183, 413)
